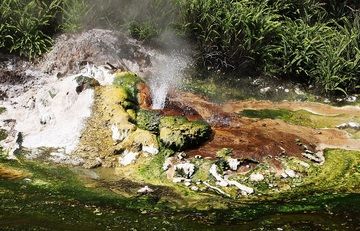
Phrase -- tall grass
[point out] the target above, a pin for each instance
(305, 40)
(24, 25)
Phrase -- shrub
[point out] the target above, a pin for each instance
(322, 54)
(25, 24)
(230, 33)
(306, 40)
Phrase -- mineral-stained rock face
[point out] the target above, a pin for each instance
(112, 129)
(136, 89)
(179, 133)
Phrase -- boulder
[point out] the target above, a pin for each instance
(178, 133)
(138, 92)
(140, 141)
(148, 120)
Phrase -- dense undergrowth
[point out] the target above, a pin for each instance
(310, 41)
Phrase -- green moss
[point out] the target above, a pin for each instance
(153, 169)
(178, 132)
(223, 153)
(148, 120)
(2, 110)
(129, 82)
(339, 173)
(267, 113)
(300, 117)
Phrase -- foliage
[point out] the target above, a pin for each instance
(311, 41)
(73, 12)
(25, 24)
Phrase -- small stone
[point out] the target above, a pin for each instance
(256, 177)
(233, 163)
(264, 90)
(178, 179)
(194, 188)
(291, 173)
(181, 155)
(304, 164)
(145, 190)
(284, 175)
(187, 184)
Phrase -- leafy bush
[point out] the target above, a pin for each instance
(24, 25)
(312, 41)
(73, 12)
(230, 33)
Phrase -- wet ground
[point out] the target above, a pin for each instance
(265, 138)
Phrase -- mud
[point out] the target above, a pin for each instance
(264, 139)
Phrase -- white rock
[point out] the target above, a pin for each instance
(128, 157)
(167, 163)
(145, 189)
(298, 91)
(187, 184)
(264, 90)
(223, 182)
(216, 189)
(181, 155)
(352, 125)
(119, 135)
(213, 171)
(115, 133)
(187, 168)
(257, 177)
(287, 90)
(233, 163)
(178, 179)
(291, 173)
(304, 164)
(284, 175)
(242, 187)
(150, 149)
(351, 99)
(194, 188)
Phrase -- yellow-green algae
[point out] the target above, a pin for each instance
(301, 117)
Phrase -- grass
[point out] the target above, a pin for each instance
(307, 41)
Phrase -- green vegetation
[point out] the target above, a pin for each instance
(148, 120)
(27, 26)
(308, 41)
(129, 81)
(300, 117)
(178, 133)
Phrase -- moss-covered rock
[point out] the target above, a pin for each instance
(85, 83)
(179, 133)
(129, 81)
(140, 140)
(148, 120)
